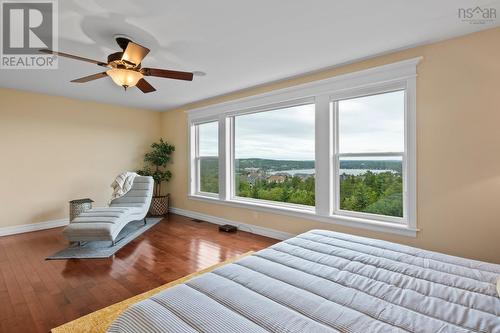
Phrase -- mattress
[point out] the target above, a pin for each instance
(323, 281)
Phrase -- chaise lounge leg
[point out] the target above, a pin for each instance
(144, 221)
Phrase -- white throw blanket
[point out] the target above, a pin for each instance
(122, 184)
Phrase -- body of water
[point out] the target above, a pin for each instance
(354, 172)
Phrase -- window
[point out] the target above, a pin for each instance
(207, 135)
(369, 159)
(340, 150)
(274, 155)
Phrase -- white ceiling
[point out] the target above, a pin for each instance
(238, 44)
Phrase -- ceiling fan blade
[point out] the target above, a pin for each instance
(90, 77)
(177, 75)
(134, 53)
(67, 55)
(144, 86)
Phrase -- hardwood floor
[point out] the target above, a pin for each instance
(37, 294)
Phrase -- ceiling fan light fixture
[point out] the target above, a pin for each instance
(124, 77)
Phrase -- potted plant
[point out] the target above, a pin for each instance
(156, 166)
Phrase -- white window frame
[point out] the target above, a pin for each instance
(391, 77)
(356, 93)
(230, 118)
(196, 159)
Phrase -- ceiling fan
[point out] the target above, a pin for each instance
(124, 67)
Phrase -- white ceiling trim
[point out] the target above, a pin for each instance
(387, 74)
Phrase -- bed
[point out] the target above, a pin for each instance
(323, 281)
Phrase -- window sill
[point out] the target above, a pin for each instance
(310, 214)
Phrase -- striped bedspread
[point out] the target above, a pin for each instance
(323, 281)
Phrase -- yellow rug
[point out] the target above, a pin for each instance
(99, 321)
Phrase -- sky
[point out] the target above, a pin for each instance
(372, 124)
(366, 124)
(285, 134)
(208, 139)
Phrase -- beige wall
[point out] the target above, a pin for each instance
(458, 135)
(54, 149)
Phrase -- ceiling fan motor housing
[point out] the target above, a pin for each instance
(122, 41)
(115, 60)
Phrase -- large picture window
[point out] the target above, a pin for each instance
(274, 155)
(340, 150)
(369, 160)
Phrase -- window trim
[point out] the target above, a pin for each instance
(195, 160)
(231, 118)
(365, 92)
(345, 221)
(322, 92)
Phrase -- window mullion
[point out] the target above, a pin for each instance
(334, 149)
(410, 157)
(197, 174)
(322, 156)
(230, 153)
(223, 160)
(196, 171)
(374, 154)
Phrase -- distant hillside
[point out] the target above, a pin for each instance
(373, 165)
(280, 165)
(276, 165)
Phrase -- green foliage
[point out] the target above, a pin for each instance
(209, 175)
(376, 193)
(159, 176)
(160, 155)
(158, 158)
(292, 190)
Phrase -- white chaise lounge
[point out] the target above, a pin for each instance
(104, 224)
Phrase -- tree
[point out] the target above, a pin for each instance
(303, 197)
(391, 205)
(158, 158)
(376, 193)
(209, 174)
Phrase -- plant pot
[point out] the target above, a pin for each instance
(159, 206)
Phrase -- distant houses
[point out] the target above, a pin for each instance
(276, 178)
(252, 175)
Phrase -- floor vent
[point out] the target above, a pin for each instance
(228, 228)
